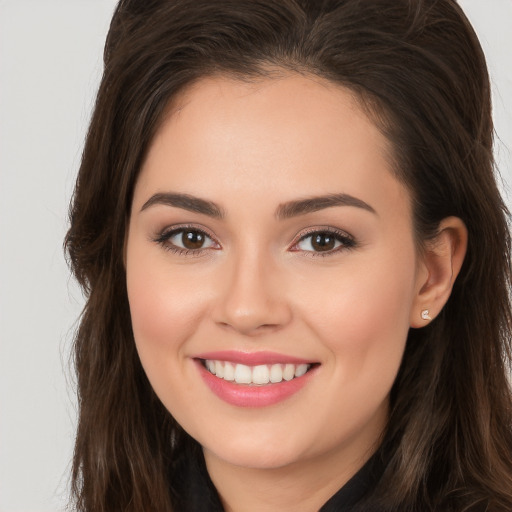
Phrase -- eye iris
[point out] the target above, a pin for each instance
(323, 242)
(192, 239)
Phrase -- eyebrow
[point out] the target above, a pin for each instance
(314, 204)
(284, 211)
(186, 202)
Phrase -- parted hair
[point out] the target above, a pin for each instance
(419, 72)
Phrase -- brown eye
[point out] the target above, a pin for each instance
(192, 239)
(188, 239)
(323, 242)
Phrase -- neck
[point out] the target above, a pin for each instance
(297, 487)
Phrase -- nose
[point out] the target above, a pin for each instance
(252, 299)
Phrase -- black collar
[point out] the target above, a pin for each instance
(357, 488)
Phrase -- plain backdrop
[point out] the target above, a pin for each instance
(50, 65)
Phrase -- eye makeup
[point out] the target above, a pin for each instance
(190, 240)
(186, 240)
(323, 241)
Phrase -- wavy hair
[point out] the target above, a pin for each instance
(419, 71)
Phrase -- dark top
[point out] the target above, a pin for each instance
(202, 495)
(357, 488)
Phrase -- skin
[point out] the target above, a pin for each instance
(257, 284)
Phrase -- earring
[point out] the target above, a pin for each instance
(425, 315)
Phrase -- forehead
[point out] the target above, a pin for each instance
(292, 135)
(293, 102)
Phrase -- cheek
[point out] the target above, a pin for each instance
(363, 322)
(363, 313)
(166, 306)
(156, 314)
(166, 310)
(155, 309)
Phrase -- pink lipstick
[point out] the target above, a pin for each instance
(255, 379)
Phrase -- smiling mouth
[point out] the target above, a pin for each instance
(259, 375)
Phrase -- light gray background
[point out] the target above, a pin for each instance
(50, 64)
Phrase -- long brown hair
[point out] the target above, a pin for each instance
(418, 70)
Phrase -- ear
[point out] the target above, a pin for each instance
(440, 264)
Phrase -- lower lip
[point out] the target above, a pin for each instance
(245, 395)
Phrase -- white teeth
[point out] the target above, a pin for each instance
(243, 374)
(219, 369)
(259, 375)
(211, 365)
(276, 373)
(229, 371)
(289, 372)
(301, 370)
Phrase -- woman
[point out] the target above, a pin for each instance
(296, 261)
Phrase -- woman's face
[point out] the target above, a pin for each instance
(269, 236)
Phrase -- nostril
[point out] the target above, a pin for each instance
(249, 328)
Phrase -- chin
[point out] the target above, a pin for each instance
(256, 456)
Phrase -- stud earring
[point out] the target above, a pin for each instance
(425, 315)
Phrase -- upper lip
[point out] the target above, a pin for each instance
(251, 358)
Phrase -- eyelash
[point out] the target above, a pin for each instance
(163, 239)
(346, 241)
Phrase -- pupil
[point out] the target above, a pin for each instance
(323, 242)
(192, 240)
